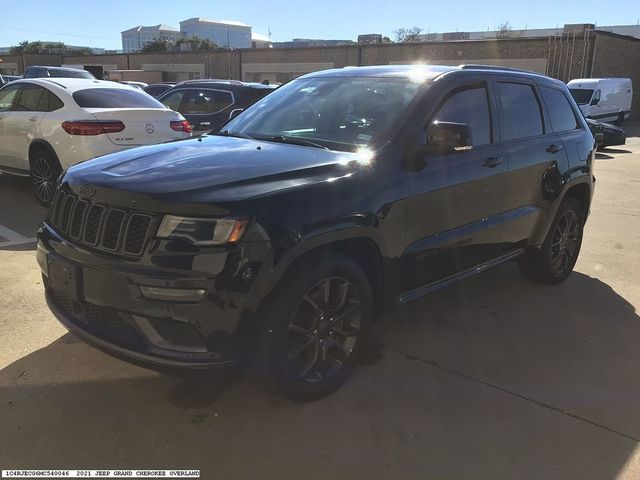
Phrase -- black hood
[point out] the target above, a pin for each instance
(224, 168)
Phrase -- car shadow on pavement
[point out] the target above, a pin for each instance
(20, 214)
(493, 378)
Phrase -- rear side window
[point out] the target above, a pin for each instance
(203, 101)
(114, 98)
(469, 106)
(173, 100)
(560, 111)
(7, 96)
(49, 102)
(521, 115)
(29, 98)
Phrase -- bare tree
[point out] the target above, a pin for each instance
(504, 30)
(405, 35)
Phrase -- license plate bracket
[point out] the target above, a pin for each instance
(64, 277)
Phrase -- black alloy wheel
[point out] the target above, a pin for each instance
(316, 324)
(564, 242)
(323, 329)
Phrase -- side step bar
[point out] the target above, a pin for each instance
(450, 280)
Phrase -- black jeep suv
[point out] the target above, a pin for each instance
(340, 193)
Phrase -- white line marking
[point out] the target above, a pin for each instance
(13, 243)
(13, 238)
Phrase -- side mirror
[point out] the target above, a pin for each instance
(448, 137)
(441, 138)
(595, 101)
(235, 112)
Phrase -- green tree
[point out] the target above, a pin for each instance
(197, 43)
(156, 45)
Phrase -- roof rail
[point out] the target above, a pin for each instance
(52, 81)
(474, 66)
(220, 80)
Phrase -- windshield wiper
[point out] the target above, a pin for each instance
(229, 133)
(296, 141)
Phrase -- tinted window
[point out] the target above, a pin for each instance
(469, 106)
(521, 117)
(7, 96)
(114, 98)
(581, 95)
(205, 101)
(29, 98)
(173, 99)
(49, 102)
(560, 111)
(157, 90)
(54, 73)
(30, 72)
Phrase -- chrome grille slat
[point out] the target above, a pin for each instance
(100, 226)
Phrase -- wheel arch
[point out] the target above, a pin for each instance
(40, 145)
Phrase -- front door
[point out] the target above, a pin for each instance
(454, 217)
(25, 115)
(8, 96)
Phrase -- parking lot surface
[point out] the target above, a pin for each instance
(495, 377)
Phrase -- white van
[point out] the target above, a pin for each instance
(604, 99)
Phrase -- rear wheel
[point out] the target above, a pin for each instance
(45, 170)
(554, 261)
(316, 326)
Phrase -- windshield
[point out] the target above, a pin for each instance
(340, 113)
(581, 95)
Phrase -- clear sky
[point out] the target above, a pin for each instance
(99, 23)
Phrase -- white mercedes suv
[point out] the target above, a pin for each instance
(49, 124)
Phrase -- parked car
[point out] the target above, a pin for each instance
(209, 104)
(138, 85)
(56, 72)
(607, 135)
(157, 89)
(341, 193)
(604, 99)
(48, 125)
(11, 78)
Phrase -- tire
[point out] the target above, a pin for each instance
(315, 327)
(554, 261)
(45, 170)
(620, 120)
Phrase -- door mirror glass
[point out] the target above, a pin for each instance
(596, 98)
(449, 137)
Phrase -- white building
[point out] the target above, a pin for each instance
(224, 33)
(260, 41)
(134, 39)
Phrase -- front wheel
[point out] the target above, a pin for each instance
(45, 170)
(554, 261)
(320, 317)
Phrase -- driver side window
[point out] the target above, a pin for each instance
(7, 97)
(468, 106)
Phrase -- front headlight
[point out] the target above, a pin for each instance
(203, 231)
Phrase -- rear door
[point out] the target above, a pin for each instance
(19, 131)
(533, 151)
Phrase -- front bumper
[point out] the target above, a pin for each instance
(109, 310)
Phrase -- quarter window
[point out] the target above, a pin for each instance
(521, 115)
(560, 111)
(173, 100)
(49, 102)
(469, 106)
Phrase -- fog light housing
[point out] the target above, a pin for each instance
(173, 294)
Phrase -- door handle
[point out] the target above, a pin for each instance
(33, 119)
(554, 148)
(493, 162)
